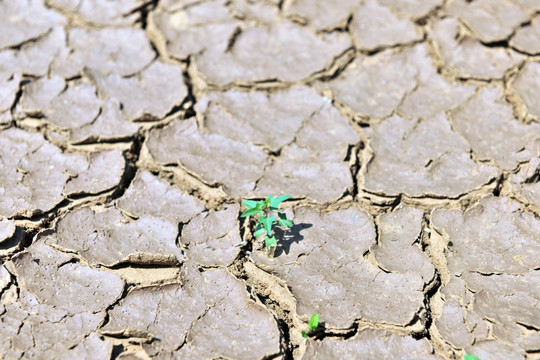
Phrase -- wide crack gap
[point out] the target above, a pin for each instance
(434, 248)
(37, 220)
(280, 314)
(353, 159)
(500, 184)
(132, 265)
(426, 316)
(286, 336)
(322, 332)
(19, 241)
(45, 218)
(273, 307)
(186, 108)
(144, 11)
(131, 157)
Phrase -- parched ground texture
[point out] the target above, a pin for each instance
(407, 133)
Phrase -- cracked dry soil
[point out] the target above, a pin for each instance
(407, 133)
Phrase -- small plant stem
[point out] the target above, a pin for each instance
(270, 251)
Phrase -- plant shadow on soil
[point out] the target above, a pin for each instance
(288, 237)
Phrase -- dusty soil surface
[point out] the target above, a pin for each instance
(407, 133)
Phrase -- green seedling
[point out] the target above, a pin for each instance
(267, 221)
(470, 357)
(312, 326)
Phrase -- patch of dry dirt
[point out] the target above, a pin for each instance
(407, 133)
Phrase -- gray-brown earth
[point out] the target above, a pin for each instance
(407, 133)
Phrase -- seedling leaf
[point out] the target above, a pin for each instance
(304, 334)
(259, 230)
(269, 241)
(250, 212)
(283, 221)
(313, 322)
(275, 202)
(470, 357)
(267, 223)
(251, 204)
(267, 201)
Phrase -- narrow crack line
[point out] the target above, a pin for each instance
(18, 96)
(271, 84)
(505, 43)
(510, 95)
(344, 26)
(106, 318)
(337, 66)
(246, 247)
(399, 46)
(473, 155)
(407, 93)
(191, 174)
(426, 197)
(211, 195)
(523, 52)
(268, 164)
(158, 312)
(208, 307)
(422, 20)
(202, 122)
(233, 39)
(100, 112)
(32, 40)
(526, 206)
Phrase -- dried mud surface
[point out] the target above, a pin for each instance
(406, 132)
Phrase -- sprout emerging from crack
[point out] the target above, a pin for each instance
(312, 326)
(267, 221)
(470, 357)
